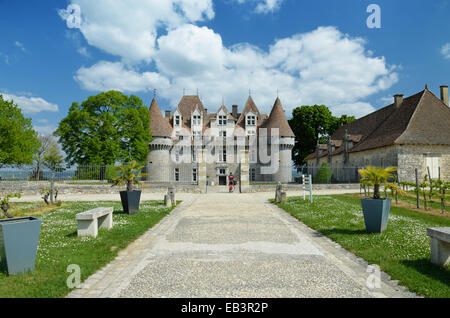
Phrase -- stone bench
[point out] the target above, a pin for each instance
(440, 245)
(90, 221)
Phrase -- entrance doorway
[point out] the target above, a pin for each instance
(222, 180)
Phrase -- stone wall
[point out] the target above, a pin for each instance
(34, 188)
(406, 157)
(414, 156)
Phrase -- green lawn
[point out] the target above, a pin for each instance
(402, 251)
(59, 246)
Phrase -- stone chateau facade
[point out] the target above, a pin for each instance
(413, 132)
(192, 145)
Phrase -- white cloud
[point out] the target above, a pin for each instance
(319, 67)
(445, 50)
(5, 58)
(387, 100)
(129, 28)
(105, 76)
(358, 109)
(264, 6)
(267, 6)
(83, 51)
(31, 105)
(202, 52)
(20, 46)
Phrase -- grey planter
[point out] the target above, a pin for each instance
(376, 214)
(19, 239)
(130, 201)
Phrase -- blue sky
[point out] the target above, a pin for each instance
(310, 51)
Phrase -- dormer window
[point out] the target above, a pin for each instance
(196, 120)
(251, 120)
(177, 120)
(222, 120)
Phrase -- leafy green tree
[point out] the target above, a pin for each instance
(106, 128)
(18, 140)
(339, 122)
(311, 124)
(53, 160)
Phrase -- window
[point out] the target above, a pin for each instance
(223, 133)
(194, 175)
(196, 120)
(251, 133)
(222, 155)
(222, 120)
(222, 171)
(253, 156)
(196, 133)
(177, 174)
(194, 155)
(177, 120)
(251, 120)
(178, 153)
(253, 174)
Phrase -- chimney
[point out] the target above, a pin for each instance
(444, 94)
(235, 111)
(167, 113)
(398, 100)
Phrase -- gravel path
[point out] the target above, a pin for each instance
(231, 245)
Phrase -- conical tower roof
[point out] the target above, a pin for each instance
(249, 106)
(277, 119)
(158, 124)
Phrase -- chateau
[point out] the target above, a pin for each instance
(191, 134)
(411, 133)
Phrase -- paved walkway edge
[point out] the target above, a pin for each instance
(346, 260)
(127, 264)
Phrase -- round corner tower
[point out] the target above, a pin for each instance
(286, 138)
(158, 161)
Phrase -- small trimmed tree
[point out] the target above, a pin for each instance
(378, 176)
(129, 175)
(54, 161)
(324, 174)
(4, 204)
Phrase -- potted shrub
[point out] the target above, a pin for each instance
(128, 175)
(19, 239)
(376, 209)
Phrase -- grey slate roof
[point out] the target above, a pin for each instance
(422, 119)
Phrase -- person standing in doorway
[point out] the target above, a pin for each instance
(231, 182)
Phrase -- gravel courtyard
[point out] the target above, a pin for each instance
(232, 245)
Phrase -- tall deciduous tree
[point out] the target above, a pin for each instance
(106, 128)
(18, 140)
(311, 124)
